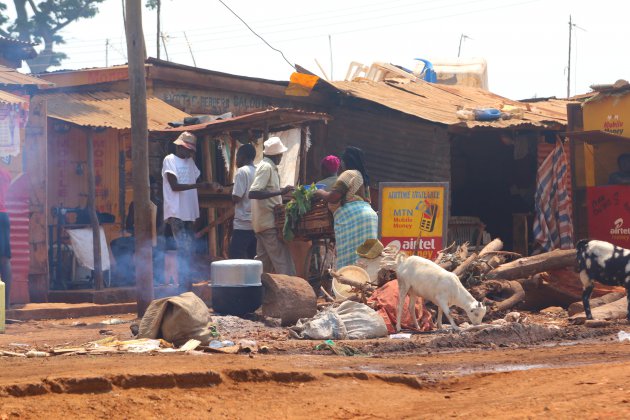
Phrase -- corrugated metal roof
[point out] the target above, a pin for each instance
(9, 98)
(108, 109)
(439, 103)
(271, 118)
(11, 77)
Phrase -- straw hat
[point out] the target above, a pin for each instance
(188, 140)
(274, 146)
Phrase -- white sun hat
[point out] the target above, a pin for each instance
(274, 146)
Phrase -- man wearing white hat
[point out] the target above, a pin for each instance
(265, 194)
(181, 204)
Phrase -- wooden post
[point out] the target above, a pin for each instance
(96, 229)
(208, 163)
(302, 164)
(36, 162)
(140, 155)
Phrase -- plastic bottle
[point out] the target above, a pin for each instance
(2, 308)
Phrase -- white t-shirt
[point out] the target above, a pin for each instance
(183, 205)
(243, 209)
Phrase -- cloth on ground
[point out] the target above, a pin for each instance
(177, 319)
(385, 301)
(83, 247)
(349, 321)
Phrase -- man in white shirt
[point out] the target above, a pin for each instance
(243, 242)
(266, 194)
(181, 204)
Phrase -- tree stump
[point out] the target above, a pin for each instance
(288, 298)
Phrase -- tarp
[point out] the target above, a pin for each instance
(83, 247)
(385, 301)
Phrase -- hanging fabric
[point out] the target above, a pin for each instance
(553, 227)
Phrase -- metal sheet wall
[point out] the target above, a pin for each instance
(18, 210)
(396, 147)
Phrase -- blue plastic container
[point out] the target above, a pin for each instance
(487, 114)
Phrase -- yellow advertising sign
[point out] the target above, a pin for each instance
(413, 215)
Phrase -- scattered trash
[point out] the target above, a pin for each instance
(623, 336)
(78, 324)
(106, 332)
(19, 345)
(216, 344)
(191, 344)
(35, 353)
(513, 317)
(339, 350)
(114, 321)
(247, 346)
(400, 336)
(596, 323)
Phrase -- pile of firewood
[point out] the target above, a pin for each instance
(501, 279)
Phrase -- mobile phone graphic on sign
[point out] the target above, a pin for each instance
(429, 214)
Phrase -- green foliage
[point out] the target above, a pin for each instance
(295, 209)
(41, 22)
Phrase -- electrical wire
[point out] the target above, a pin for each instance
(254, 32)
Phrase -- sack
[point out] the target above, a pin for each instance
(349, 321)
(177, 319)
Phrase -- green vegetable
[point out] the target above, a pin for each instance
(295, 209)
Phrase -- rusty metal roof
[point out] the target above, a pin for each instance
(11, 77)
(272, 118)
(9, 98)
(107, 109)
(439, 103)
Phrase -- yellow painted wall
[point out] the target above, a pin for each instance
(611, 114)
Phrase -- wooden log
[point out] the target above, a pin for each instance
(577, 307)
(461, 269)
(525, 267)
(517, 293)
(495, 245)
(614, 310)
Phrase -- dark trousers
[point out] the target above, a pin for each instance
(243, 245)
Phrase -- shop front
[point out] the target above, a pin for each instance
(601, 156)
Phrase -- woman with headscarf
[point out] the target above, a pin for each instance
(349, 200)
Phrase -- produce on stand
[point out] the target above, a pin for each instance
(304, 217)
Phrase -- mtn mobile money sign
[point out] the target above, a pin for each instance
(413, 216)
(609, 214)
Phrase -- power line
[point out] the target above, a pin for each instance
(254, 32)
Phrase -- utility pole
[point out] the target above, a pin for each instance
(107, 52)
(190, 49)
(136, 53)
(571, 26)
(157, 37)
(461, 39)
(569, 65)
(164, 43)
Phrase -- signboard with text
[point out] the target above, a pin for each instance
(413, 215)
(609, 214)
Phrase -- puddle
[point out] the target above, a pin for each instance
(501, 368)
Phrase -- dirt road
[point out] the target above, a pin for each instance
(412, 380)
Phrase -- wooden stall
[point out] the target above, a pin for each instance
(216, 156)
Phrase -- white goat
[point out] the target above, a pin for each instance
(418, 276)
